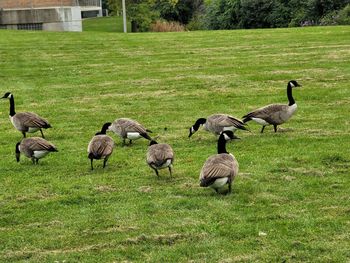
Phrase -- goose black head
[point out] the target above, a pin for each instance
(294, 84)
(7, 95)
(228, 135)
(104, 128)
(196, 126)
(18, 153)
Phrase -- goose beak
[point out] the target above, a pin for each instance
(235, 138)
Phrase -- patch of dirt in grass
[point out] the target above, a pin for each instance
(307, 171)
(298, 170)
(144, 189)
(168, 239)
(105, 188)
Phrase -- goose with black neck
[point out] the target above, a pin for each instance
(275, 114)
(25, 121)
(220, 169)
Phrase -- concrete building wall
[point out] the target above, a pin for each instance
(20, 4)
(51, 19)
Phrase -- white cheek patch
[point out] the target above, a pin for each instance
(226, 137)
(260, 121)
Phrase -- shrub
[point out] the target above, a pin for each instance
(166, 26)
(344, 16)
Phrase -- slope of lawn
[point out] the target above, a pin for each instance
(290, 202)
(104, 24)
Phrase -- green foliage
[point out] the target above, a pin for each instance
(231, 14)
(182, 11)
(344, 16)
(222, 14)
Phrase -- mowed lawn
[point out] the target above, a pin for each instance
(290, 202)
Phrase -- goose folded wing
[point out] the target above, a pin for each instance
(41, 145)
(227, 121)
(31, 119)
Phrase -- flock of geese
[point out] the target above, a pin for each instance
(218, 170)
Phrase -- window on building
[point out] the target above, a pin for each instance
(33, 26)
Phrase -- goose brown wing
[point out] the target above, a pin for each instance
(219, 166)
(134, 126)
(159, 153)
(224, 120)
(30, 119)
(267, 113)
(101, 145)
(40, 144)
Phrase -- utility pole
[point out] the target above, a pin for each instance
(124, 16)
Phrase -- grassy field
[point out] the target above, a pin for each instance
(105, 24)
(290, 202)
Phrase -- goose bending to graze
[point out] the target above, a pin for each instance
(275, 114)
(220, 169)
(129, 129)
(101, 146)
(25, 121)
(217, 123)
(160, 156)
(34, 148)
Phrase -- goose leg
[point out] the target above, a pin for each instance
(36, 161)
(171, 174)
(123, 142)
(262, 130)
(275, 128)
(104, 162)
(33, 160)
(156, 171)
(92, 167)
(229, 188)
(130, 142)
(24, 134)
(42, 134)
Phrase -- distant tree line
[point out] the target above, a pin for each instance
(234, 14)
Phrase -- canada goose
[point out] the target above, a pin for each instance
(34, 148)
(129, 129)
(221, 168)
(217, 123)
(25, 121)
(101, 146)
(160, 156)
(275, 114)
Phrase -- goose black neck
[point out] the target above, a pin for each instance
(152, 142)
(17, 147)
(104, 128)
(222, 145)
(12, 106)
(198, 123)
(289, 95)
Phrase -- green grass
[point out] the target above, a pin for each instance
(290, 201)
(104, 24)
